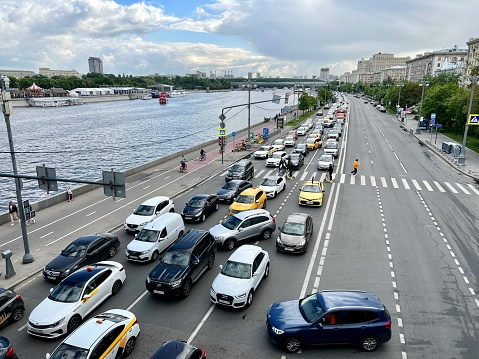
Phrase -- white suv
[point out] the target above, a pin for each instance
(147, 212)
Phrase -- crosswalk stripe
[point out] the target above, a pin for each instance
(404, 182)
(473, 189)
(343, 178)
(383, 182)
(303, 176)
(270, 172)
(453, 190)
(315, 174)
(259, 173)
(323, 177)
(395, 184)
(428, 186)
(352, 180)
(295, 174)
(373, 181)
(418, 187)
(462, 188)
(439, 187)
(363, 180)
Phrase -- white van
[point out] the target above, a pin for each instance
(156, 237)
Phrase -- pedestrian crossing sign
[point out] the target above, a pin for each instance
(473, 120)
(222, 132)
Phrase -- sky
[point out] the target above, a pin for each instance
(277, 38)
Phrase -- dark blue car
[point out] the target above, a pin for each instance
(330, 317)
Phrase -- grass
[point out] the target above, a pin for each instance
(301, 118)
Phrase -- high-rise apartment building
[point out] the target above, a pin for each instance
(324, 74)
(95, 65)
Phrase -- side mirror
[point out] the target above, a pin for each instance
(86, 296)
(221, 266)
(47, 356)
(196, 262)
(51, 290)
(255, 274)
(279, 228)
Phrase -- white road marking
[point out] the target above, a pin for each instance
(303, 176)
(137, 300)
(461, 187)
(383, 182)
(403, 167)
(259, 173)
(439, 187)
(395, 184)
(45, 235)
(453, 190)
(192, 336)
(428, 186)
(373, 181)
(89, 214)
(363, 180)
(352, 179)
(270, 172)
(343, 178)
(473, 189)
(414, 182)
(146, 187)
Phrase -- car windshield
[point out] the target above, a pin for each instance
(311, 140)
(311, 188)
(331, 145)
(277, 155)
(268, 182)
(289, 139)
(176, 258)
(196, 203)
(231, 222)
(264, 149)
(294, 156)
(237, 168)
(67, 351)
(147, 235)
(301, 146)
(325, 159)
(311, 308)
(278, 142)
(293, 228)
(74, 250)
(245, 199)
(67, 292)
(231, 186)
(237, 270)
(143, 210)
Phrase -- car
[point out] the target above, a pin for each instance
(12, 307)
(302, 131)
(293, 133)
(319, 113)
(243, 169)
(301, 148)
(338, 127)
(324, 161)
(318, 131)
(272, 185)
(339, 122)
(275, 159)
(175, 349)
(289, 141)
(111, 334)
(296, 160)
(183, 264)
(243, 226)
(319, 317)
(264, 151)
(74, 298)
(366, 101)
(240, 277)
(326, 107)
(251, 198)
(311, 193)
(295, 234)
(279, 144)
(308, 124)
(147, 212)
(82, 251)
(199, 207)
(332, 133)
(382, 109)
(313, 143)
(6, 350)
(331, 148)
(232, 189)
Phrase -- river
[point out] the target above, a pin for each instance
(82, 141)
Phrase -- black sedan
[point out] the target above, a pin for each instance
(301, 148)
(232, 189)
(175, 349)
(81, 252)
(297, 160)
(11, 307)
(199, 207)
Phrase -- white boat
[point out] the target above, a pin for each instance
(175, 93)
(54, 101)
(146, 96)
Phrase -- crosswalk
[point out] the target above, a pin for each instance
(394, 183)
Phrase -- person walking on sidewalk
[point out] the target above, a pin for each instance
(70, 194)
(13, 213)
(355, 167)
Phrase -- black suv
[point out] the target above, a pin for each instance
(183, 264)
(243, 169)
(11, 307)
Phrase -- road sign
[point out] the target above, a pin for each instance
(403, 114)
(43, 183)
(233, 133)
(222, 117)
(433, 116)
(473, 120)
(265, 133)
(116, 184)
(439, 125)
(222, 132)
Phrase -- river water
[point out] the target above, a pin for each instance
(82, 141)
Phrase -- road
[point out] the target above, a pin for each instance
(404, 228)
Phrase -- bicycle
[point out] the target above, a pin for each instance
(183, 167)
(203, 157)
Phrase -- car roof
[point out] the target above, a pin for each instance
(245, 254)
(297, 218)
(189, 240)
(174, 349)
(312, 183)
(349, 299)
(251, 212)
(155, 200)
(271, 177)
(200, 196)
(88, 238)
(82, 276)
(251, 191)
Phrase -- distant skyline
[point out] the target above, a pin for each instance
(275, 38)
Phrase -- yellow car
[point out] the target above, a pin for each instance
(250, 198)
(313, 143)
(311, 194)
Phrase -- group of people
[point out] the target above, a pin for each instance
(286, 167)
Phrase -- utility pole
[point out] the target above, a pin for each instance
(423, 83)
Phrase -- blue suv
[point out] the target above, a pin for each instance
(330, 317)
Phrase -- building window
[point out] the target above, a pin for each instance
(439, 58)
(438, 65)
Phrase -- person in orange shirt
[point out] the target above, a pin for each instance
(355, 167)
(330, 319)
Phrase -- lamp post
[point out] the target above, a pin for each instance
(7, 110)
(248, 142)
(423, 84)
(461, 160)
(399, 97)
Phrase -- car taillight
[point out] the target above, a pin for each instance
(274, 220)
(203, 354)
(388, 325)
(18, 296)
(10, 353)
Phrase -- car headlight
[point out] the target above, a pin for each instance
(301, 244)
(57, 323)
(277, 331)
(67, 272)
(220, 238)
(240, 296)
(279, 240)
(144, 223)
(148, 280)
(176, 283)
(213, 291)
(198, 214)
(146, 252)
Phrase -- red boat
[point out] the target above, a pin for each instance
(163, 99)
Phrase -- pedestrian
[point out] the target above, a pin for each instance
(355, 167)
(330, 172)
(13, 213)
(290, 169)
(70, 194)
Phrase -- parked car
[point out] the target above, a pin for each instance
(275, 159)
(295, 234)
(74, 298)
(273, 185)
(319, 113)
(111, 334)
(12, 307)
(301, 148)
(279, 144)
(240, 277)
(200, 207)
(382, 109)
(243, 169)
(82, 251)
(264, 151)
(147, 212)
(319, 317)
(243, 226)
(6, 349)
(296, 159)
(183, 264)
(324, 161)
(232, 189)
(251, 198)
(311, 193)
(175, 349)
(289, 141)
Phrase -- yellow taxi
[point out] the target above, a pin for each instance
(250, 198)
(311, 193)
(313, 143)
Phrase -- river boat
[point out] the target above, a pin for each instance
(163, 99)
(175, 93)
(146, 96)
(54, 101)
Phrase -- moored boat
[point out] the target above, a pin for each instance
(54, 101)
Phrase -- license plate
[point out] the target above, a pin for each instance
(159, 292)
(309, 202)
(188, 217)
(223, 301)
(38, 331)
(51, 278)
(288, 249)
(134, 257)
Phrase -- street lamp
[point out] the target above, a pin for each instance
(423, 84)
(461, 160)
(249, 85)
(399, 97)
(7, 110)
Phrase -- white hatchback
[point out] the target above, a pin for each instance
(289, 141)
(302, 131)
(279, 144)
(147, 212)
(239, 278)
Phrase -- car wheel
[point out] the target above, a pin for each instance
(249, 300)
(17, 314)
(203, 217)
(186, 289)
(211, 261)
(266, 234)
(369, 343)
(252, 175)
(74, 323)
(129, 346)
(230, 244)
(154, 256)
(180, 235)
(292, 345)
(116, 287)
(217, 206)
(266, 271)
(264, 205)
(112, 252)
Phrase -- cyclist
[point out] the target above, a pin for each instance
(202, 155)
(183, 162)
